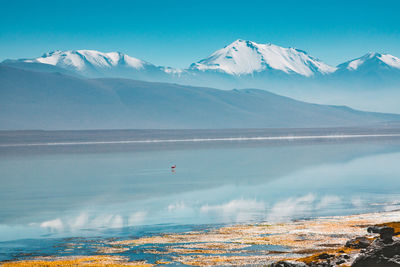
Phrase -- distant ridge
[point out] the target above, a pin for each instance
(370, 82)
(41, 100)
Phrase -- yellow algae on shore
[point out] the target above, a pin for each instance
(202, 260)
(101, 260)
(322, 233)
(303, 237)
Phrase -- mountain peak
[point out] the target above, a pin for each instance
(244, 57)
(371, 54)
(86, 59)
(238, 41)
(371, 59)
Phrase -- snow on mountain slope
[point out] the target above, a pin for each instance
(246, 57)
(371, 60)
(84, 59)
(240, 60)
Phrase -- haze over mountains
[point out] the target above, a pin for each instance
(43, 100)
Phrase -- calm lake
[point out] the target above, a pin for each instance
(103, 184)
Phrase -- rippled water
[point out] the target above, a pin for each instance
(114, 189)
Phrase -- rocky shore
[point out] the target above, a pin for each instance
(357, 240)
(382, 251)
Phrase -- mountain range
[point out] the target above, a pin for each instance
(240, 59)
(370, 82)
(87, 89)
(53, 100)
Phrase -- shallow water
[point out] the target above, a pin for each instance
(49, 193)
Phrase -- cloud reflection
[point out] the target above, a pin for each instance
(328, 201)
(84, 221)
(53, 225)
(291, 207)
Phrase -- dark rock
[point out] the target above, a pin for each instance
(323, 264)
(340, 262)
(289, 264)
(380, 254)
(358, 242)
(374, 229)
(386, 234)
(324, 256)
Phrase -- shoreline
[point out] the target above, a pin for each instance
(301, 241)
(227, 139)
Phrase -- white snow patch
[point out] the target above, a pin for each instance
(390, 60)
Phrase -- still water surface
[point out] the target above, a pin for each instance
(129, 189)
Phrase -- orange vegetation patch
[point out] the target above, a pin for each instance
(309, 238)
(202, 260)
(102, 260)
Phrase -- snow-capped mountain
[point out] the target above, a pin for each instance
(244, 64)
(81, 60)
(245, 57)
(373, 69)
(93, 63)
(241, 64)
(371, 60)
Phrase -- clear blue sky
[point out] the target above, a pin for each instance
(177, 33)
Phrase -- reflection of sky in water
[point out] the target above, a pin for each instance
(67, 194)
